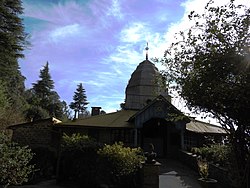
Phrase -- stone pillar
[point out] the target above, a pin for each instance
(150, 174)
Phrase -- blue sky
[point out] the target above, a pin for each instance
(99, 42)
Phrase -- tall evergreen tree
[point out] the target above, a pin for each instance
(45, 85)
(42, 97)
(12, 43)
(80, 101)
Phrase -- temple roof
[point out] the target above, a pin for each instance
(144, 74)
(117, 119)
(144, 86)
(205, 128)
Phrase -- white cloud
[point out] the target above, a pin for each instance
(115, 10)
(134, 32)
(64, 32)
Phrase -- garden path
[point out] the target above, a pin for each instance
(174, 174)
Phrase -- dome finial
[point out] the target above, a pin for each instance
(147, 51)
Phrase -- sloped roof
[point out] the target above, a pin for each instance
(117, 119)
(202, 127)
(51, 119)
(158, 98)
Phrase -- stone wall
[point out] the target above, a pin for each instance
(35, 134)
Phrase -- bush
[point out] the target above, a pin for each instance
(78, 142)
(14, 162)
(85, 162)
(122, 162)
(215, 153)
(45, 160)
(78, 160)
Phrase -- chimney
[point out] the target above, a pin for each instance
(95, 111)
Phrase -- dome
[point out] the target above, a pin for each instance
(143, 86)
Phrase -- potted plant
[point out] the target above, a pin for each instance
(151, 156)
(203, 168)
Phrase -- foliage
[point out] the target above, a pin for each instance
(78, 142)
(217, 153)
(42, 96)
(80, 100)
(44, 159)
(45, 85)
(34, 113)
(124, 160)
(66, 111)
(78, 160)
(14, 162)
(12, 43)
(85, 162)
(203, 167)
(209, 65)
(13, 37)
(4, 105)
(9, 114)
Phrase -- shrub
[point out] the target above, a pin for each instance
(78, 142)
(122, 162)
(78, 160)
(45, 159)
(216, 153)
(14, 162)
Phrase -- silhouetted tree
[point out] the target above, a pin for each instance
(80, 101)
(42, 96)
(43, 88)
(209, 66)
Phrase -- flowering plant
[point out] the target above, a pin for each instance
(203, 167)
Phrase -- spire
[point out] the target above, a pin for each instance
(147, 51)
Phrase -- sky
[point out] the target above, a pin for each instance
(99, 43)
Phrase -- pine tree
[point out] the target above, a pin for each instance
(12, 43)
(42, 96)
(80, 101)
(45, 85)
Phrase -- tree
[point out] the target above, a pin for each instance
(9, 114)
(210, 68)
(42, 96)
(80, 100)
(45, 85)
(66, 111)
(4, 105)
(13, 40)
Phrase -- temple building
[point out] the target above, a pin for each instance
(147, 117)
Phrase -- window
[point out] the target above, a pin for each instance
(189, 141)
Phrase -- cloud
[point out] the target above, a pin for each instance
(65, 31)
(133, 33)
(115, 10)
